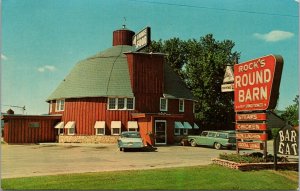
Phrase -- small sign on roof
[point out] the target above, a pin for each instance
(228, 76)
(142, 38)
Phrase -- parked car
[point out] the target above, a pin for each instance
(130, 140)
(216, 139)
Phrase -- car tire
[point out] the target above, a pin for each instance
(217, 146)
(121, 149)
(193, 143)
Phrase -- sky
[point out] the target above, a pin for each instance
(42, 40)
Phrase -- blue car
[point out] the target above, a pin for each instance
(130, 140)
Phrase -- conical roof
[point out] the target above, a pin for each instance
(102, 75)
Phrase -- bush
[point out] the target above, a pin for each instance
(274, 132)
(256, 157)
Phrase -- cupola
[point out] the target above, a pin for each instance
(122, 37)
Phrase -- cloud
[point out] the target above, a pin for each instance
(3, 57)
(46, 68)
(274, 36)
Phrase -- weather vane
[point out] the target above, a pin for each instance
(124, 22)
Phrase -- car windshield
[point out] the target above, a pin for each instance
(131, 135)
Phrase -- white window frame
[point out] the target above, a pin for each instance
(135, 128)
(112, 128)
(179, 104)
(60, 131)
(71, 127)
(99, 127)
(60, 105)
(116, 107)
(160, 104)
(176, 131)
(185, 131)
(50, 107)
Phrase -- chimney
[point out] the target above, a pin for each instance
(122, 37)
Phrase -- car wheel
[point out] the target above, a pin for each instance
(217, 146)
(193, 143)
(121, 149)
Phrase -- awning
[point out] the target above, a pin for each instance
(70, 125)
(59, 125)
(99, 125)
(132, 125)
(178, 125)
(116, 124)
(187, 125)
(196, 126)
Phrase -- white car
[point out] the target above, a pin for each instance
(130, 140)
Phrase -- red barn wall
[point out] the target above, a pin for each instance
(147, 80)
(17, 129)
(86, 111)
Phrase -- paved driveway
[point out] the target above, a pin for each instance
(49, 159)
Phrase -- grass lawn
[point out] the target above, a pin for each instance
(211, 177)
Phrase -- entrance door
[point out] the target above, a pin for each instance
(160, 132)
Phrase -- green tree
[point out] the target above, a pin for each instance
(201, 64)
(291, 113)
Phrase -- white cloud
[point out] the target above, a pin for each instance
(46, 68)
(274, 36)
(3, 57)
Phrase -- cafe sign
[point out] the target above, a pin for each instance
(256, 83)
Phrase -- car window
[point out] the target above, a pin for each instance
(210, 134)
(204, 133)
(132, 135)
(222, 135)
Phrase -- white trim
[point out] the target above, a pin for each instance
(181, 110)
(60, 105)
(117, 103)
(115, 125)
(185, 131)
(163, 109)
(50, 106)
(100, 129)
(177, 131)
(71, 127)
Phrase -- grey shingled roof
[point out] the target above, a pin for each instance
(174, 86)
(104, 74)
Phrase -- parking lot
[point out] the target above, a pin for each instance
(51, 159)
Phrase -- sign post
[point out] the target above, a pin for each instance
(256, 89)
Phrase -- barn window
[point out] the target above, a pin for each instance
(132, 126)
(185, 131)
(60, 105)
(178, 126)
(112, 103)
(50, 107)
(163, 104)
(120, 103)
(130, 103)
(71, 127)
(60, 128)
(181, 105)
(34, 124)
(100, 127)
(115, 127)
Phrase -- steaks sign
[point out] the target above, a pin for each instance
(256, 83)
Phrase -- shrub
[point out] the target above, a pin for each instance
(255, 157)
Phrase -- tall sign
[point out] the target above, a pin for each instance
(142, 38)
(256, 89)
(256, 83)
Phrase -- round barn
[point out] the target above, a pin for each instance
(120, 89)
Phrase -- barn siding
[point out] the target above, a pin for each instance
(17, 129)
